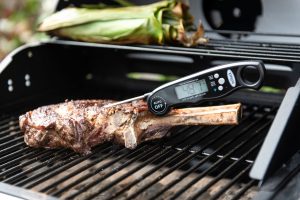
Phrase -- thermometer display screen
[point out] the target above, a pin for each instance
(191, 89)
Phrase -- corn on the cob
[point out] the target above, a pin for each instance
(157, 23)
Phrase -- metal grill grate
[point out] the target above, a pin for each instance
(206, 162)
(223, 48)
(243, 50)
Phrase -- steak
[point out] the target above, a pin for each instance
(82, 124)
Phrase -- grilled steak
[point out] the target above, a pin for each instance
(82, 124)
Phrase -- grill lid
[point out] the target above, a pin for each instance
(282, 134)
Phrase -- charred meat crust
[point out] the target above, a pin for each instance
(70, 124)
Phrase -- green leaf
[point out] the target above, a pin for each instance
(116, 31)
(76, 16)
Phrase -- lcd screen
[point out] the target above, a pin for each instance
(191, 89)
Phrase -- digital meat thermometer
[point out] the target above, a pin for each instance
(209, 84)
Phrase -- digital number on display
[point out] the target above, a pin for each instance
(191, 89)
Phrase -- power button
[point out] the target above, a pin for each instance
(158, 105)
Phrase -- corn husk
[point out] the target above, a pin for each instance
(157, 23)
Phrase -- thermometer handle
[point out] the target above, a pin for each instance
(210, 84)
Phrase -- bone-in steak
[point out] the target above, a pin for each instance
(82, 124)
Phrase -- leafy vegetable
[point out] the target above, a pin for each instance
(157, 23)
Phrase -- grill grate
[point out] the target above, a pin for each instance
(223, 48)
(243, 50)
(196, 162)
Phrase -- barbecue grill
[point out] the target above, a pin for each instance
(194, 163)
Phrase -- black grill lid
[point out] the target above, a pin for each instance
(283, 138)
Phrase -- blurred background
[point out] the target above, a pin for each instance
(18, 19)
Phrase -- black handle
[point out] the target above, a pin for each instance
(244, 74)
(213, 83)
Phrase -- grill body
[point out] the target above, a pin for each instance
(193, 163)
